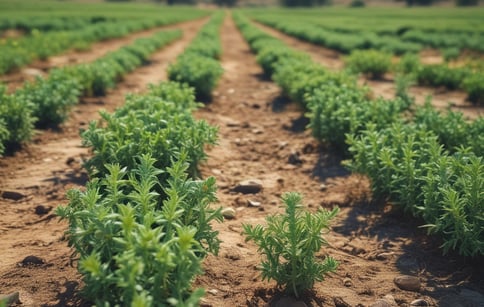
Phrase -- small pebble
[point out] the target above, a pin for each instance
(408, 283)
(228, 213)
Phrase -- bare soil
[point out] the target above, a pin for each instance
(262, 136)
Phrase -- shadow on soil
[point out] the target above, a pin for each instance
(275, 297)
(69, 297)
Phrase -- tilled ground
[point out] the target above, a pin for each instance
(262, 137)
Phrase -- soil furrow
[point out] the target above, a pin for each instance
(441, 98)
(262, 137)
(39, 175)
(73, 57)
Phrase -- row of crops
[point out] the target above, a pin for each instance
(428, 163)
(46, 101)
(398, 31)
(39, 45)
(142, 226)
(372, 53)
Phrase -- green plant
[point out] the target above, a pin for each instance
(452, 129)
(407, 164)
(198, 66)
(16, 115)
(136, 247)
(197, 71)
(441, 75)
(474, 86)
(408, 64)
(289, 243)
(147, 124)
(370, 62)
(453, 202)
(4, 134)
(52, 98)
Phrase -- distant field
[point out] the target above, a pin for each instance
(384, 19)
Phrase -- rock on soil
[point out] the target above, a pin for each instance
(228, 213)
(13, 195)
(31, 260)
(408, 283)
(251, 186)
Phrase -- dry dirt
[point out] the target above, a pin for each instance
(261, 136)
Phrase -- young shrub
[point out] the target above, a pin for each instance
(16, 115)
(453, 202)
(474, 86)
(452, 129)
(197, 71)
(409, 63)
(4, 134)
(136, 246)
(369, 62)
(52, 97)
(289, 243)
(146, 124)
(441, 75)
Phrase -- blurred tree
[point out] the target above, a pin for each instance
(419, 2)
(228, 3)
(466, 2)
(304, 2)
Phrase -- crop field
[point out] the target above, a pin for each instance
(155, 155)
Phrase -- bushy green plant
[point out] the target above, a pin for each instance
(335, 111)
(450, 53)
(135, 247)
(4, 135)
(197, 71)
(17, 118)
(441, 75)
(407, 164)
(270, 56)
(452, 129)
(289, 243)
(146, 124)
(51, 97)
(408, 64)
(198, 66)
(474, 86)
(369, 62)
(299, 78)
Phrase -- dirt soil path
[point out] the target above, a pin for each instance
(262, 136)
(72, 57)
(442, 98)
(34, 181)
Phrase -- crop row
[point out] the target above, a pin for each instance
(142, 227)
(428, 163)
(340, 37)
(198, 65)
(22, 51)
(376, 63)
(47, 101)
